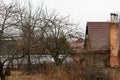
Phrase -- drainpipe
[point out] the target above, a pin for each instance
(114, 58)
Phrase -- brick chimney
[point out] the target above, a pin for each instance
(114, 59)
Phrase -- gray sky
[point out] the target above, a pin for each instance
(82, 11)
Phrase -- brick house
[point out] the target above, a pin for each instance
(103, 36)
(97, 36)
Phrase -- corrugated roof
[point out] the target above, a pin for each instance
(98, 33)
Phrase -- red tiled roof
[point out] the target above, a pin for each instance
(77, 43)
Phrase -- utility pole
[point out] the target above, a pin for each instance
(114, 47)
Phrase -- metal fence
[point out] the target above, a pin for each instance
(35, 59)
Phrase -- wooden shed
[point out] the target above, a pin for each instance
(97, 36)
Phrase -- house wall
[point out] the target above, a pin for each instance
(87, 45)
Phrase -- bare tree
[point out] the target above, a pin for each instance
(28, 23)
(40, 31)
(7, 22)
(56, 32)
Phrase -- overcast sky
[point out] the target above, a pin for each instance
(82, 11)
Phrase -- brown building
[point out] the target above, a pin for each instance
(97, 36)
(8, 46)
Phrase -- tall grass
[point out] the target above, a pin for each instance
(50, 72)
(72, 71)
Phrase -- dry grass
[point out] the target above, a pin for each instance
(68, 72)
(57, 73)
(18, 75)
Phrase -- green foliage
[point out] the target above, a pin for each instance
(63, 45)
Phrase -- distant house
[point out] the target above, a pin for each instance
(77, 45)
(97, 36)
(8, 46)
